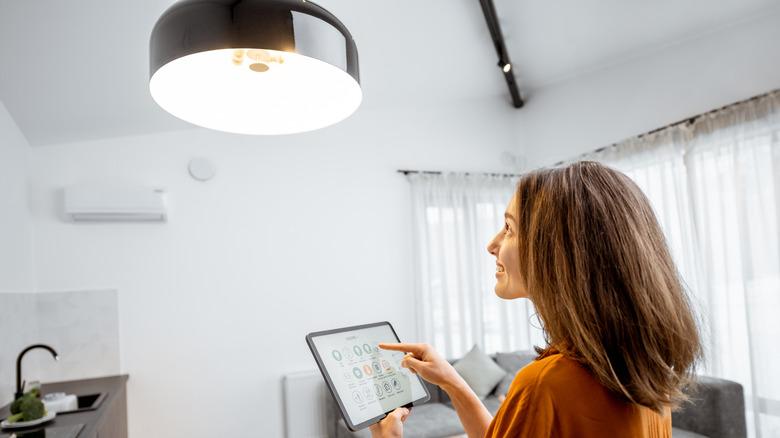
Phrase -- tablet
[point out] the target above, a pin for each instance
(366, 381)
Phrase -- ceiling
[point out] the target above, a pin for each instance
(78, 70)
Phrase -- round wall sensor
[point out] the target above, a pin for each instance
(202, 169)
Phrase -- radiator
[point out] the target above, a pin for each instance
(305, 397)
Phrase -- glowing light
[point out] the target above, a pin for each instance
(255, 91)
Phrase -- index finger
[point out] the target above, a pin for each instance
(416, 349)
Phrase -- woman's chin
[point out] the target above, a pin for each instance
(503, 293)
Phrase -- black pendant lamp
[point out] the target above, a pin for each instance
(254, 66)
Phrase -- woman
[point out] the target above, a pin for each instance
(582, 243)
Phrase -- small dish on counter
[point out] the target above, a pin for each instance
(22, 424)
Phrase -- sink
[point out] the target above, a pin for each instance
(86, 402)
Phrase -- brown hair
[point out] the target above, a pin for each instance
(601, 277)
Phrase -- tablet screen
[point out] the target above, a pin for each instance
(369, 381)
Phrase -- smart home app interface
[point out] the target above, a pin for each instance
(369, 380)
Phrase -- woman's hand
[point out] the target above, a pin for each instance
(391, 426)
(424, 361)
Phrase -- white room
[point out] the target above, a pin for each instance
(176, 269)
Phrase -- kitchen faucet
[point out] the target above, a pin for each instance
(19, 383)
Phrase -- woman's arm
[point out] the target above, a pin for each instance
(473, 414)
(424, 361)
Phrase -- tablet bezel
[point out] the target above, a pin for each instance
(332, 387)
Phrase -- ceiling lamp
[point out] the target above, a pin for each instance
(254, 66)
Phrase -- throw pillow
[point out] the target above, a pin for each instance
(479, 371)
(513, 362)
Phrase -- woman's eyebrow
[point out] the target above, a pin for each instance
(509, 216)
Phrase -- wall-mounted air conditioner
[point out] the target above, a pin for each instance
(99, 203)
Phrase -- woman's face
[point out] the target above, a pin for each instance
(504, 246)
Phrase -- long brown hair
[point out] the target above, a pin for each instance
(601, 277)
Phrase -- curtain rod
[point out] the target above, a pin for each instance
(688, 121)
(439, 172)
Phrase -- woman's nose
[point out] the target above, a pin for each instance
(492, 245)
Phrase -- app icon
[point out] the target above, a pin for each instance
(387, 365)
(336, 355)
(367, 393)
(367, 348)
(377, 368)
(378, 390)
(396, 384)
(388, 388)
(357, 397)
(357, 350)
(367, 370)
(356, 372)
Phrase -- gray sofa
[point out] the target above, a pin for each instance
(717, 409)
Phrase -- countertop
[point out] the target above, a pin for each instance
(113, 386)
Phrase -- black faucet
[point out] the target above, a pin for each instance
(19, 383)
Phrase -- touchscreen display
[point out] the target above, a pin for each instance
(369, 380)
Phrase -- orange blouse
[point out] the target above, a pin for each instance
(556, 397)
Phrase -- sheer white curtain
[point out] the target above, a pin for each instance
(715, 186)
(455, 216)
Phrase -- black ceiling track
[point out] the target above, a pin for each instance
(503, 57)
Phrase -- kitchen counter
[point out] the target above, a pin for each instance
(109, 420)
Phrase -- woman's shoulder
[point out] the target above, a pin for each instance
(563, 382)
(537, 398)
(554, 372)
(553, 365)
(557, 396)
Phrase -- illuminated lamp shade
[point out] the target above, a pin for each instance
(254, 66)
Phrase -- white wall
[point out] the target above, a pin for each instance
(295, 234)
(652, 90)
(15, 227)
(82, 326)
(16, 261)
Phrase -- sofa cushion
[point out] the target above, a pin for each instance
(492, 404)
(513, 362)
(479, 371)
(343, 432)
(504, 384)
(680, 433)
(433, 420)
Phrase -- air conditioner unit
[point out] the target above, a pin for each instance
(114, 204)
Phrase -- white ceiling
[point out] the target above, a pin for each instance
(76, 70)
(553, 41)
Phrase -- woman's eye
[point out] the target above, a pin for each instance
(506, 227)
